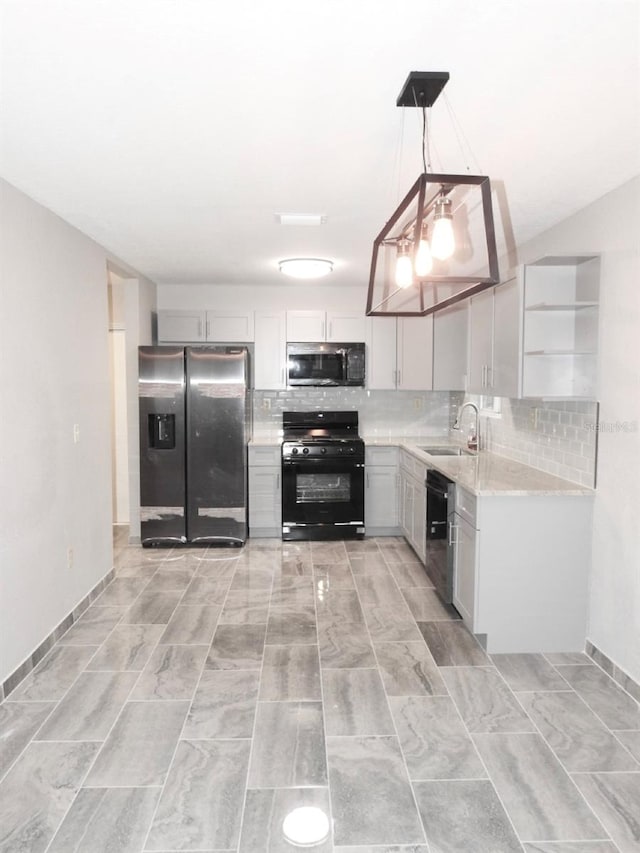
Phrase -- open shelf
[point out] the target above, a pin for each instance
(568, 306)
(560, 352)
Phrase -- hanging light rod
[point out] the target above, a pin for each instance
(421, 88)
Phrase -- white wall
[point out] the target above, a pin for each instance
(294, 297)
(54, 373)
(611, 227)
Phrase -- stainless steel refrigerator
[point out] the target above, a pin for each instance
(194, 429)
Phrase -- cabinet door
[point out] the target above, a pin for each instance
(381, 497)
(420, 520)
(345, 328)
(181, 326)
(464, 570)
(480, 341)
(270, 351)
(504, 381)
(450, 342)
(306, 326)
(265, 512)
(230, 327)
(415, 353)
(406, 506)
(381, 353)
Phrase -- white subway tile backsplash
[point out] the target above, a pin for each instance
(557, 437)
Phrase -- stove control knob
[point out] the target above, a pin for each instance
(305, 450)
(323, 450)
(352, 450)
(294, 451)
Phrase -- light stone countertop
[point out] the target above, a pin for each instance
(487, 473)
(482, 474)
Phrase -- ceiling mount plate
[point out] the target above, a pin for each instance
(421, 88)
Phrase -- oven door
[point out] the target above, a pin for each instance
(324, 497)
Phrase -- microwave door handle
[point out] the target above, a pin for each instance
(345, 364)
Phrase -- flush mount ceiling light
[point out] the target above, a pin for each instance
(438, 246)
(305, 267)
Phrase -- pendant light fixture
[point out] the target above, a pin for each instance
(438, 246)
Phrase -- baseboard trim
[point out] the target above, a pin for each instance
(12, 681)
(619, 675)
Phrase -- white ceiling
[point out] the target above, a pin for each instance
(172, 131)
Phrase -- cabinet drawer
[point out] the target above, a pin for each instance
(466, 505)
(260, 455)
(378, 455)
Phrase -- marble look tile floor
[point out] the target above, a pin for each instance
(208, 693)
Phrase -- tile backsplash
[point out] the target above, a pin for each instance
(558, 437)
(382, 414)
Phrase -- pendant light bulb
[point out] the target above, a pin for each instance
(424, 261)
(404, 270)
(443, 242)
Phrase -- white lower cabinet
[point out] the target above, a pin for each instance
(464, 578)
(381, 491)
(521, 571)
(413, 497)
(265, 491)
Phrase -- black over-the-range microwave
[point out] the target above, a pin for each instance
(325, 364)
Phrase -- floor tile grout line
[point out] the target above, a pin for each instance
(553, 754)
(323, 706)
(92, 763)
(180, 737)
(393, 723)
(598, 718)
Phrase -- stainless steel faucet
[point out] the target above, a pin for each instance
(473, 442)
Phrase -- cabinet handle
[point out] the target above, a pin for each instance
(489, 377)
(452, 527)
(399, 380)
(199, 328)
(367, 479)
(330, 330)
(323, 329)
(282, 376)
(208, 328)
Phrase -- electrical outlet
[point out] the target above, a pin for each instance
(533, 418)
(76, 433)
(418, 403)
(266, 403)
(69, 558)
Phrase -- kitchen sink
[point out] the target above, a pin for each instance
(446, 451)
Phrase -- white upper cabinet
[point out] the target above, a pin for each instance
(480, 341)
(400, 353)
(338, 327)
(347, 328)
(415, 353)
(194, 326)
(495, 324)
(450, 342)
(270, 351)
(176, 325)
(233, 326)
(507, 339)
(381, 353)
(306, 326)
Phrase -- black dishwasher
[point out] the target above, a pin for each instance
(439, 549)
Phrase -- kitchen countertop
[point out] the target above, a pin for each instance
(482, 473)
(485, 473)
